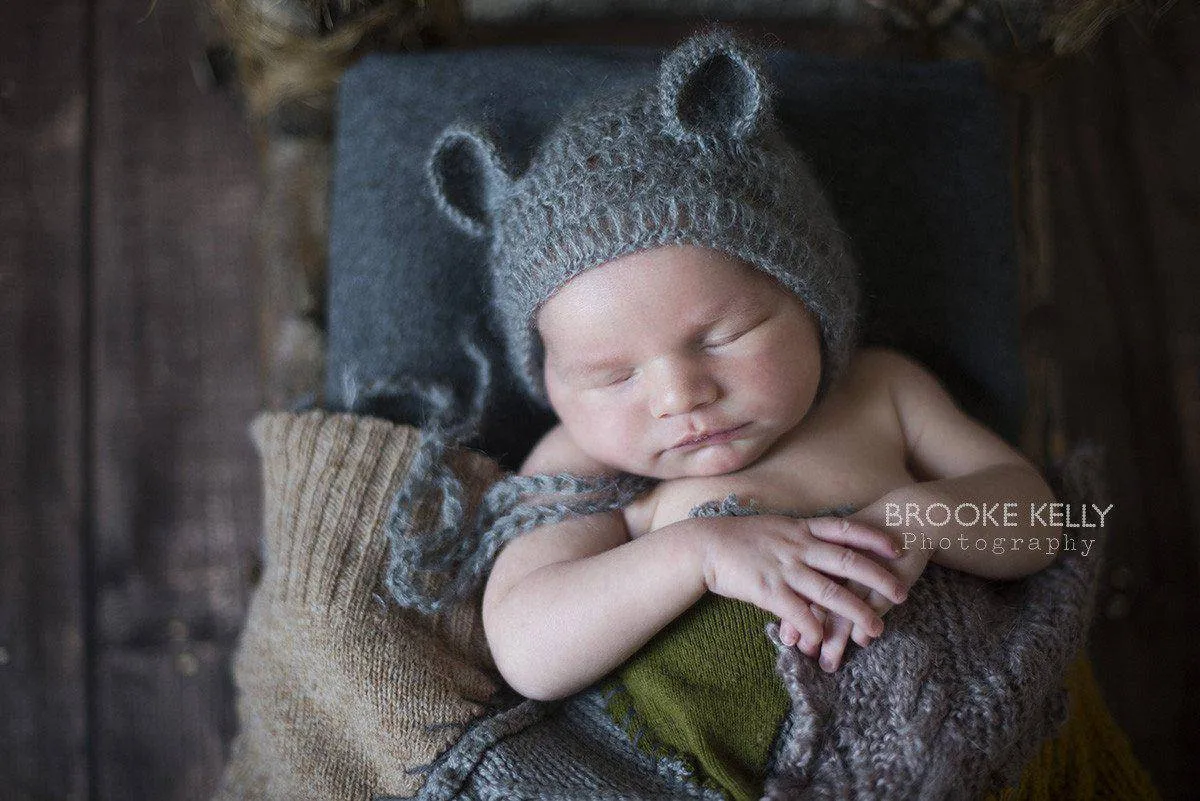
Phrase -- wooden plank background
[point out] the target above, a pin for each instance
(1121, 127)
(174, 385)
(128, 374)
(43, 472)
(128, 329)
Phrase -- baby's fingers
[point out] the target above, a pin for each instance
(834, 560)
(789, 635)
(839, 630)
(854, 534)
(879, 603)
(799, 625)
(837, 635)
(834, 597)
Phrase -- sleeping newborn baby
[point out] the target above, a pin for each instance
(671, 281)
(685, 364)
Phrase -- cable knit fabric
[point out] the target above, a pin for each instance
(695, 158)
(955, 698)
(959, 693)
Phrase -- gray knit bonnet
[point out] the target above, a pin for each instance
(696, 158)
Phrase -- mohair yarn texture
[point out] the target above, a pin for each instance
(343, 697)
(695, 158)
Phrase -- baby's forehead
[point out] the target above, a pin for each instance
(669, 269)
(684, 292)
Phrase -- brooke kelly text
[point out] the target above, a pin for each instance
(1066, 515)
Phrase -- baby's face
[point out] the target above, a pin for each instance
(678, 361)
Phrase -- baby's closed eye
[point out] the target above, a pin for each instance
(724, 339)
(614, 378)
(728, 334)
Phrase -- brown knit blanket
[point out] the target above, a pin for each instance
(343, 695)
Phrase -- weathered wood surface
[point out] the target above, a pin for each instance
(1118, 128)
(175, 383)
(43, 278)
(128, 372)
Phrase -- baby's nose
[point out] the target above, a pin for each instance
(682, 388)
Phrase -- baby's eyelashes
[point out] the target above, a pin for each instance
(602, 379)
(723, 339)
(615, 379)
(727, 337)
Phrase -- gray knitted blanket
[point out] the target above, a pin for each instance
(951, 702)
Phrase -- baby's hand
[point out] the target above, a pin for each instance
(785, 565)
(839, 629)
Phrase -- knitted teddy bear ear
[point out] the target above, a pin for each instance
(711, 88)
(468, 176)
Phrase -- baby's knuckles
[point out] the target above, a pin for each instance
(750, 558)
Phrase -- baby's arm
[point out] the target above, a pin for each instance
(956, 460)
(567, 603)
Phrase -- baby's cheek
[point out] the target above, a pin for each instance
(625, 438)
(614, 437)
(781, 386)
(760, 381)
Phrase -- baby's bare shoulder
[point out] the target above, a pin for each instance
(893, 379)
(866, 391)
(558, 453)
(912, 387)
(923, 404)
(882, 365)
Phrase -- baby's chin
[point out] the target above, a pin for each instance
(712, 460)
